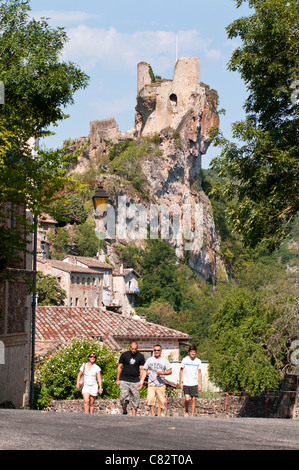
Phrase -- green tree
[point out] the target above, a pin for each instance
(57, 375)
(239, 361)
(253, 327)
(160, 279)
(263, 168)
(87, 241)
(38, 85)
(48, 290)
(159, 312)
(59, 238)
(70, 208)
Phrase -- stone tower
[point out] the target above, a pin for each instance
(164, 103)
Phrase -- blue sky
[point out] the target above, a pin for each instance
(108, 39)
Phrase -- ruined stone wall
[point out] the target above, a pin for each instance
(181, 111)
(164, 103)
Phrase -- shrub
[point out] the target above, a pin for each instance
(57, 376)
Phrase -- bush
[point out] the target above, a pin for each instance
(57, 376)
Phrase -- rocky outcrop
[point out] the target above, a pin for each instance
(180, 112)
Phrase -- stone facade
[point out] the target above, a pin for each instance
(15, 337)
(165, 103)
(125, 288)
(83, 286)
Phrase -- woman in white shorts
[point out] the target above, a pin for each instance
(92, 376)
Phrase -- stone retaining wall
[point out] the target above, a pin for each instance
(225, 406)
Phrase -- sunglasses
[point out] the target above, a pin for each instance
(158, 350)
(92, 356)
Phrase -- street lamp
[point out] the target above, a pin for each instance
(100, 199)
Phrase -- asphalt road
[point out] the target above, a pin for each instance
(37, 430)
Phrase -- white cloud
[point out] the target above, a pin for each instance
(122, 51)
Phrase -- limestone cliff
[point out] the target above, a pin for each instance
(180, 112)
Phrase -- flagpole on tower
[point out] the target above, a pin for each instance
(176, 48)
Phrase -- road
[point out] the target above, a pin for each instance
(37, 430)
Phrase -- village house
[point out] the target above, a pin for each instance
(101, 267)
(125, 288)
(89, 282)
(83, 286)
(44, 224)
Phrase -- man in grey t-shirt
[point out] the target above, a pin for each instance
(157, 367)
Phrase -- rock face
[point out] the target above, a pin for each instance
(180, 112)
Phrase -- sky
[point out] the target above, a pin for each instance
(107, 39)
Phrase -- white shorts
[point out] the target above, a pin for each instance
(91, 389)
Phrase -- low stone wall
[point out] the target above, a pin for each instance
(280, 404)
(175, 407)
(225, 406)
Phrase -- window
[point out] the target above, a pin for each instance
(174, 99)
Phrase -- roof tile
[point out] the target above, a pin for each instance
(65, 323)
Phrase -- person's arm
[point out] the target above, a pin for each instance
(181, 377)
(78, 379)
(164, 372)
(199, 380)
(99, 377)
(119, 368)
(142, 377)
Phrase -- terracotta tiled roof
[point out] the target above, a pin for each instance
(92, 262)
(62, 324)
(68, 267)
(45, 218)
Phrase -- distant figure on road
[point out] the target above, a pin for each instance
(129, 370)
(191, 379)
(157, 367)
(92, 377)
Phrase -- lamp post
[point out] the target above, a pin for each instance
(100, 199)
(34, 295)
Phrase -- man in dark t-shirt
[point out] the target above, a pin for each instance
(130, 367)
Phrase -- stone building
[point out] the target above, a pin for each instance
(89, 282)
(15, 329)
(45, 223)
(125, 288)
(83, 286)
(105, 271)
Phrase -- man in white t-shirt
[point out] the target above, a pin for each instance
(191, 379)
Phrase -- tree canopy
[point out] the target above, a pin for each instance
(38, 86)
(263, 169)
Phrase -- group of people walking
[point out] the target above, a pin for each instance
(131, 375)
